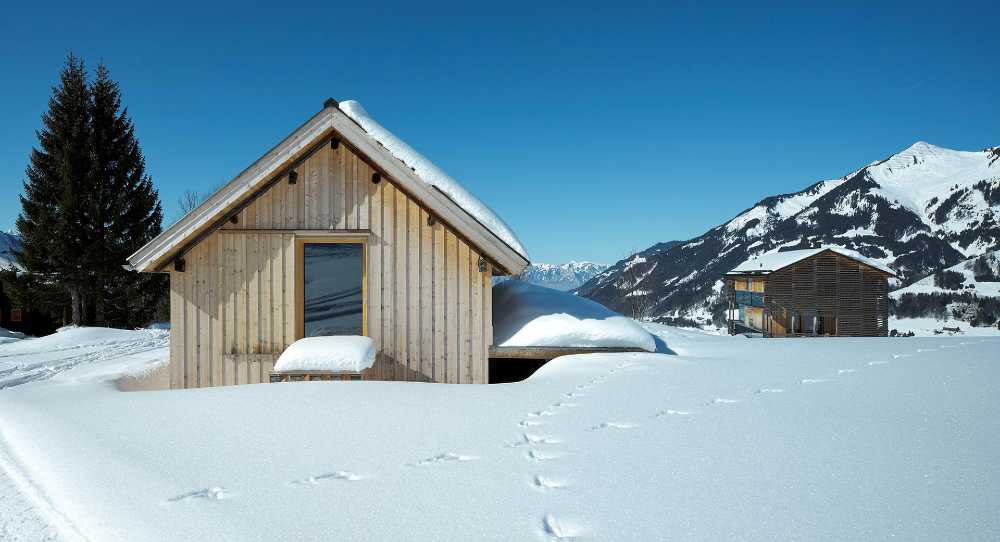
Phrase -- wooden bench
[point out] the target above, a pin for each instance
(308, 376)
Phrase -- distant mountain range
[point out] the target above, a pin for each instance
(9, 242)
(921, 210)
(563, 277)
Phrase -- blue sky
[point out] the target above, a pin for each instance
(592, 130)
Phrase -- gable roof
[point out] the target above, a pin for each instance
(768, 263)
(494, 238)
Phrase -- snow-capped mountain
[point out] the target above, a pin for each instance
(918, 211)
(563, 277)
(9, 242)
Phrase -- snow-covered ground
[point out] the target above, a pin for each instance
(733, 438)
(929, 327)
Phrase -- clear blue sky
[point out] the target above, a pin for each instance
(591, 130)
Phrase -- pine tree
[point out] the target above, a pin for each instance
(87, 205)
(53, 210)
(125, 207)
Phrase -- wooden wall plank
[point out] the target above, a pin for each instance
(191, 320)
(413, 289)
(204, 369)
(477, 353)
(288, 288)
(336, 181)
(400, 293)
(464, 329)
(344, 168)
(265, 341)
(426, 295)
(440, 354)
(389, 279)
(375, 245)
(451, 311)
(242, 283)
(361, 183)
(177, 330)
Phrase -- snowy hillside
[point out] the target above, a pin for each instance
(9, 242)
(920, 210)
(732, 439)
(562, 277)
(979, 275)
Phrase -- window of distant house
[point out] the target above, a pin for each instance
(15, 315)
(332, 286)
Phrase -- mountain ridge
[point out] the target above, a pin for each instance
(919, 210)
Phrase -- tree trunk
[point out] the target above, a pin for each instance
(99, 310)
(74, 302)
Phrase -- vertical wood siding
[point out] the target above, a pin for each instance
(428, 305)
(851, 297)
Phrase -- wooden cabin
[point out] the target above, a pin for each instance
(826, 291)
(330, 233)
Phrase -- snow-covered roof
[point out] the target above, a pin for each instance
(433, 175)
(435, 190)
(531, 315)
(766, 263)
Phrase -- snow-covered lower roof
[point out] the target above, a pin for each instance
(433, 175)
(440, 194)
(767, 263)
(531, 315)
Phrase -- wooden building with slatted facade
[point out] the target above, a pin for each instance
(826, 291)
(329, 233)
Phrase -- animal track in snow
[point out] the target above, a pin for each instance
(338, 475)
(530, 423)
(846, 371)
(612, 425)
(539, 413)
(557, 529)
(573, 394)
(563, 404)
(722, 401)
(542, 482)
(874, 363)
(770, 390)
(585, 387)
(897, 356)
(208, 494)
(542, 456)
(925, 349)
(441, 458)
(528, 439)
(671, 412)
(813, 380)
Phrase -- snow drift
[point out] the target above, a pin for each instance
(530, 315)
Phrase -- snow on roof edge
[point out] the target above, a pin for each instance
(434, 176)
(766, 263)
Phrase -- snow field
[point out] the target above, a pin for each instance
(813, 439)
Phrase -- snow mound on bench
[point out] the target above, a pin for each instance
(433, 175)
(530, 315)
(346, 354)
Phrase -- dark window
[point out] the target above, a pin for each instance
(15, 315)
(332, 289)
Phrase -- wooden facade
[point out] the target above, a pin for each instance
(827, 293)
(427, 289)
